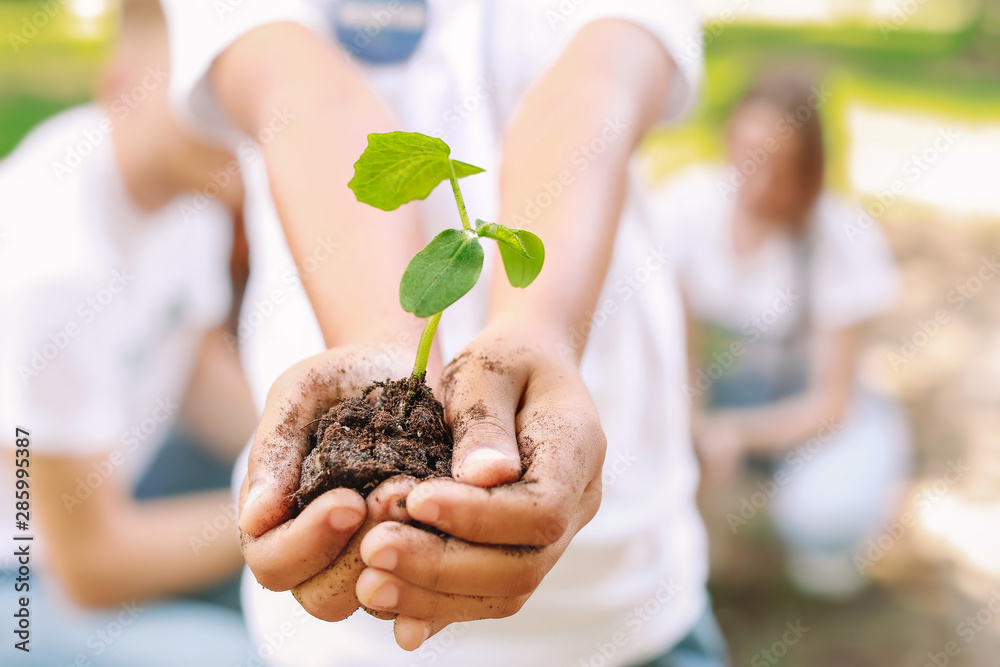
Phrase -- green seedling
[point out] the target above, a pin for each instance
(399, 167)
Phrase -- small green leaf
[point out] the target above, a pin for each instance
(442, 273)
(399, 167)
(502, 234)
(522, 267)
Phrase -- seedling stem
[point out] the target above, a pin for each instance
(458, 198)
(424, 348)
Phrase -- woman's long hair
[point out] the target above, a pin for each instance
(794, 95)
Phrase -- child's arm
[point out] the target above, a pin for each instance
(282, 79)
(106, 548)
(283, 75)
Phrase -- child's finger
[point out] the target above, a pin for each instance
(411, 632)
(301, 394)
(298, 549)
(330, 594)
(386, 592)
(450, 565)
(481, 400)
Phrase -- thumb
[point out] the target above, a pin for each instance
(274, 463)
(267, 496)
(299, 395)
(481, 405)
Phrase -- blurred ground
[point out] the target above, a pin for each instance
(924, 589)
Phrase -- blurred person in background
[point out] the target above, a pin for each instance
(114, 316)
(779, 281)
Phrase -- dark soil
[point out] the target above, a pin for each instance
(396, 427)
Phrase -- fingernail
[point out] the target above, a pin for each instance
(427, 632)
(253, 495)
(385, 597)
(343, 518)
(486, 467)
(480, 457)
(427, 512)
(385, 559)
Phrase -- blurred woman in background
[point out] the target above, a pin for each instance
(779, 282)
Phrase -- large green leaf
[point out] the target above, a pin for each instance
(399, 167)
(442, 273)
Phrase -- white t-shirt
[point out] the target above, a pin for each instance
(637, 572)
(104, 305)
(850, 274)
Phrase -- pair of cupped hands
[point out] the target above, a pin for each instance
(509, 395)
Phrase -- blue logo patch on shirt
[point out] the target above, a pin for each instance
(380, 31)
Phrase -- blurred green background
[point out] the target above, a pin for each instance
(916, 58)
(49, 58)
